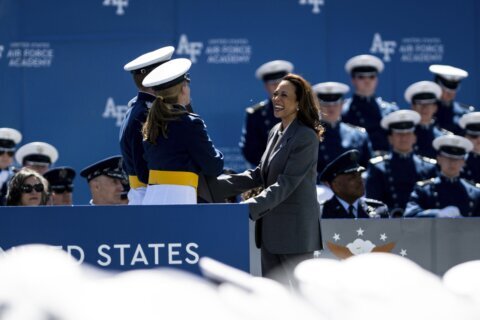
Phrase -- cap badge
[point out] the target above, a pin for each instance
(62, 174)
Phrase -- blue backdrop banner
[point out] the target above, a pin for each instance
(61, 62)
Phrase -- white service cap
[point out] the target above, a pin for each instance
(401, 121)
(274, 70)
(149, 59)
(168, 74)
(448, 76)
(364, 63)
(36, 152)
(452, 146)
(470, 122)
(9, 137)
(423, 92)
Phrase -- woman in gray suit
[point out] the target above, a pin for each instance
(286, 212)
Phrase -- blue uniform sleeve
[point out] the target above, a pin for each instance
(375, 184)
(252, 143)
(202, 150)
(416, 203)
(366, 152)
(234, 184)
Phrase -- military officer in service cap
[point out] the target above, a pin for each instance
(38, 156)
(259, 118)
(9, 138)
(343, 175)
(178, 149)
(60, 180)
(131, 130)
(470, 123)
(365, 109)
(339, 136)
(391, 177)
(105, 179)
(423, 96)
(446, 195)
(449, 111)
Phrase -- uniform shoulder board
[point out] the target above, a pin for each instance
(425, 182)
(377, 159)
(385, 104)
(361, 129)
(467, 107)
(471, 182)
(445, 131)
(374, 203)
(429, 160)
(256, 107)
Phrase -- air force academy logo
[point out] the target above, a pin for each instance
(387, 48)
(114, 111)
(193, 49)
(361, 246)
(315, 3)
(120, 4)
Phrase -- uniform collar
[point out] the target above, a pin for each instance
(358, 97)
(346, 205)
(400, 155)
(426, 126)
(331, 125)
(449, 180)
(446, 104)
(144, 96)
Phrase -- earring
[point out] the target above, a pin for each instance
(298, 108)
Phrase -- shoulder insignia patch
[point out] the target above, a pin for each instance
(377, 159)
(429, 160)
(425, 182)
(445, 131)
(467, 107)
(374, 203)
(361, 129)
(256, 107)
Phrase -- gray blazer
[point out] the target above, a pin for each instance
(286, 212)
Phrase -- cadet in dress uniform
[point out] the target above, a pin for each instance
(259, 118)
(343, 175)
(105, 179)
(37, 156)
(9, 138)
(339, 136)
(177, 146)
(131, 130)
(365, 109)
(392, 177)
(60, 180)
(423, 96)
(446, 195)
(449, 111)
(470, 123)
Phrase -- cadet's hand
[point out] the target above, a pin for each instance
(449, 212)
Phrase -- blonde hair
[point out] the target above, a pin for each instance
(162, 112)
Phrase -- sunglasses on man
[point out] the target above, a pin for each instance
(28, 188)
(62, 189)
(10, 152)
